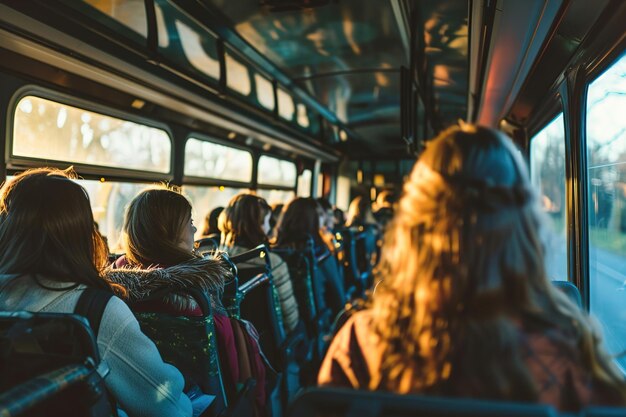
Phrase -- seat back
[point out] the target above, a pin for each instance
(351, 274)
(189, 343)
(55, 351)
(207, 244)
(300, 261)
(337, 402)
(334, 292)
(260, 306)
(366, 253)
(570, 290)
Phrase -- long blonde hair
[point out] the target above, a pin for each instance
(463, 276)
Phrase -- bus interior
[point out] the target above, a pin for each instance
(326, 99)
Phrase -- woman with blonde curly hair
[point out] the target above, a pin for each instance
(464, 307)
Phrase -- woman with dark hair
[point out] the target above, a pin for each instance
(464, 307)
(50, 252)
(210, 227)
(302, 218)
(245, 224)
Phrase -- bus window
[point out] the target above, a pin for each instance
(303, 116)
(274, 171)
(211, 160)
(48, 130)
(199, 48)
(606, 160)
(264, 91)
(547, 164)
(237, 76)
(276, 196)
(108, 203)
(204, 199)
(304, 183)
(130, 13)
(286, 107)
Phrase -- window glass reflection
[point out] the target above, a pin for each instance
(49, 130)
(547, 160)
(273, 171)
(264, 92)
(304, 184)
(238, 77)
(606, 172)
(204, 199)
(211, 160)
(276, 196)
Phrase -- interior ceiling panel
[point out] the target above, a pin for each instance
(446, 54)
(348, 57)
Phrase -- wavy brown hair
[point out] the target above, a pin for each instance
(154, 222)
(301, 217)
(47, 229)
(241, 221)
(463, 274)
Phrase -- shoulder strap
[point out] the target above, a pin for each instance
(91, 305)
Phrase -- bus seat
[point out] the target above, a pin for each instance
(35, 347)
(309, 292)
(206, 245)
(261, 306)
(189, 343)
(603, 412)
(341, 402)
(570, 290)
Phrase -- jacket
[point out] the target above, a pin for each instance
(354, 360)
(139, 380)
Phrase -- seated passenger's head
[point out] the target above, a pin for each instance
(360, 212)
(158, 228)
(301, 217)
(329, 215)
(211, 222)
(47, 229)
(340, 218)
(246, 221)
(463, 275)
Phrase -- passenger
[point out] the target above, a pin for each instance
(360, 213)
(210, 228)
(464, 307)
(245, 224)
(302, 217)
(158, 232)
(384, 207)
(49, 253)
(340, 218)
(327, 229)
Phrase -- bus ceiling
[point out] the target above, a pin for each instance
(317, 78)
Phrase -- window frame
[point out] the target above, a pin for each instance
(16, 162)
(210, 182)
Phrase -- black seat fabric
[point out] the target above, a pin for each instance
(55, 351)
(190, 344)
(337, 402)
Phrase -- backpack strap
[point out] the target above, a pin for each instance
(91, 305)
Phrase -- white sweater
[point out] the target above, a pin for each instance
(139, 380)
